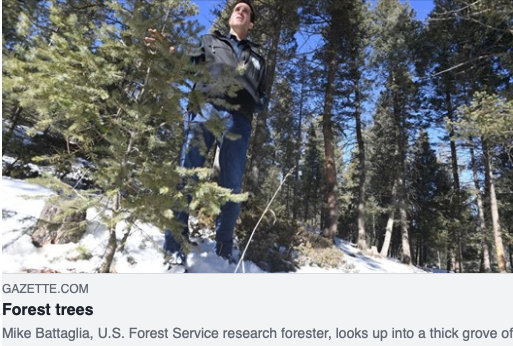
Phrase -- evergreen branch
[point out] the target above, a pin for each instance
(462, 64)
(488, 26)
(148, 71)
(463, 8)
(149, 238)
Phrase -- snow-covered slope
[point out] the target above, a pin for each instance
(142, 254)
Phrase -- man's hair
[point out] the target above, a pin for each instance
(247, 2)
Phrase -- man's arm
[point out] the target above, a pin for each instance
(157, 40)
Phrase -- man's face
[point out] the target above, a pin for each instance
(241, 17)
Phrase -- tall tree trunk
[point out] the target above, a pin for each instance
(486, 266)
(362, 237)
(405, 238)
(454, 153)
(298, 151)
(388, 233)
(260, 137)
(330, 229)
(401, 143)
(455, 244)
(497, 232)
(390, 222)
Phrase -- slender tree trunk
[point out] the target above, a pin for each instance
(497, 232)
(329, 150)
(390, 223)
(454, 153)
(405, 238)
(388, 233)
(108, 256)
(401, 143)
(298, 151)
(362, 237)
(122, 244)
(455, 243)
(416, 255)
(486, 266)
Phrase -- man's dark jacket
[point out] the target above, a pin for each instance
(219, 55)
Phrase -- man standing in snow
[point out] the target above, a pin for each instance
(232, 52)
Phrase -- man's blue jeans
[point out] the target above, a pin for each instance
(232, 162)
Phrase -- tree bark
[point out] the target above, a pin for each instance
(456, 259)
(390, 222)
(362, 237)
(330, 229)
(454, 153)
(455, 247)
(405, 238)
(497, 231)
(298, 150)
(108, 256)
(485, 266)
(401, 143)
(388, 233)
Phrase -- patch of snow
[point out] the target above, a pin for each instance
(142, 253)
(32, 168)
(143, 248)
(366, 264)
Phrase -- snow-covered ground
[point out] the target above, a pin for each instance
(142, 254)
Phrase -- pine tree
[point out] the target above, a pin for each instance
(357, 35)
(392, 47)
(489, 118)
(328, 18)
(20, 21)
(442, 41)
(118, 105)
(312, 177)
(431, 192)
(382, 176)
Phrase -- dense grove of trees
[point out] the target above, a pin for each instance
(399, 132)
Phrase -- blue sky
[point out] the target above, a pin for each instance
(205, 17)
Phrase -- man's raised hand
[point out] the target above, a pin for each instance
(157, 40)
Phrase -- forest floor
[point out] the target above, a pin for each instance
(23, 202)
